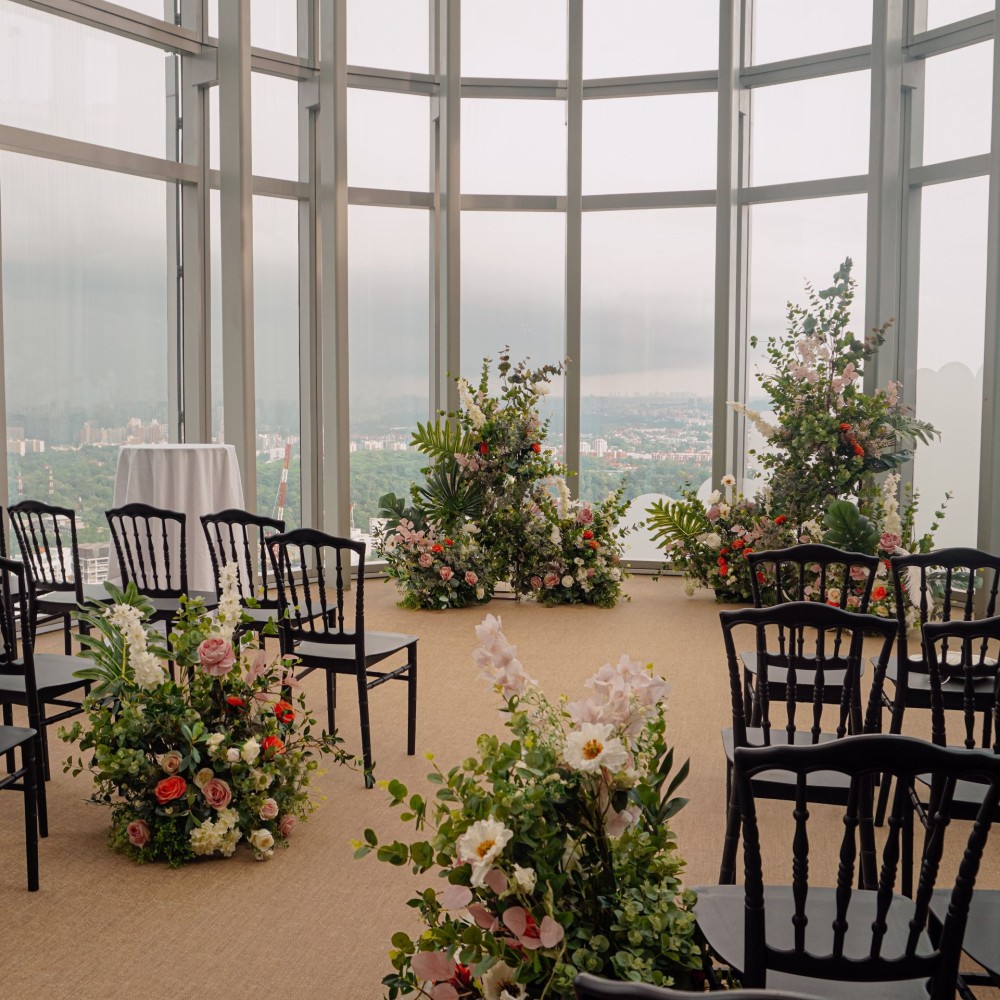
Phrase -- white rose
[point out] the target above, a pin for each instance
(204, 776)
(542, 388)
(710, 540)
(233, 754)
(261, 840)
(555, 537)
(714, 497)
(251, 750)
(214, 741)
(567, 581)
(525, 878)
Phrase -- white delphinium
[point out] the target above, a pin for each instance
(564, 497)
(227, 616)
(476, 416)
(145, 666)
(891, 522)
(766, 429)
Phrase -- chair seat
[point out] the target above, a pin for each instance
(833, 680)
(720, 916)
(171, 605)
(982, 933)
(14, 736)
(781, 784)
(54, 673)
(918, 687)
(378, 645)
(66, 599)
(967, 800)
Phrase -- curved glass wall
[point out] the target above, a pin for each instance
(565, 177)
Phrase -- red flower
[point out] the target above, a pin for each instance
(462, 980)
(723, 551)
(723, 568)
(588, 534)
(594, 544)
(235, 704)
(448, 541)
(760, 577)
(536, 447)
(780, 519)
(878, 593)
(272, 745)
(747, 552)
(858, 450)
(483, 448)
(738, 543)
(721, 560)
(845, 427)
(437, 548)
(170, 788)
(284, 711)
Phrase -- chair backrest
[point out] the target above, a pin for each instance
(964, 656)
(311, 571)
(151, 545)
(16, 608)
(946, 585)
(810, 641)
(813, 572)
(239, 537)
(857, 945)
(45, 534)
(589, 987)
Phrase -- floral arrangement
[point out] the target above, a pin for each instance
(710, 545)
(551, 847)
(193, 768)
(828, 437)
(494, 484)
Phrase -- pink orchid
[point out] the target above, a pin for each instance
(529, 934)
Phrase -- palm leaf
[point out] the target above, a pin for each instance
(849, 529)
(442, 439)
(449, 497)
(675, 521)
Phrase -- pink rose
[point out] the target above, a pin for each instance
(446, 573)
(287, 825)
(426, 560)
(170, 761)
(889, 542)
(216, 656)
(551, 579)
(269, 810)
(471, 579)
(217, 793)
(536, 583)
(138, 833)
(713, 512)
(584, 516)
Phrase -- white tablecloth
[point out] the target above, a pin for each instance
(194, 478)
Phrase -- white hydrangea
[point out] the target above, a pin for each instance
(227, 615)
(148, 672)
(206, 839)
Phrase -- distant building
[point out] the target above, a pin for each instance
(94, 557)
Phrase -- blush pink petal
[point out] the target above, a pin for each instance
(483, 917)
(444, 991)
(550, 932)
(496, 880)
(432, 966)
(456, 897)
(516, 919)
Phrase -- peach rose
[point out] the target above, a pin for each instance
(138, 833)
(470, 578)
(447, 573)
(426, 560)
(217, 793)
(269, 810)
(170, 761)
(216, 656)
(287, 825)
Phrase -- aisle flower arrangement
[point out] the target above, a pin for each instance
(194, 767)
(491, 477)
(551, 847)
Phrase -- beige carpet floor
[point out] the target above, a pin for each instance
(314, 923)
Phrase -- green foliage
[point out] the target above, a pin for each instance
(442, 439)
(671, 521)
(586, 863)
(449, 497)
(848, 529)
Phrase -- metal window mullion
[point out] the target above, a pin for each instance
(988, 537)
(445, 343)
(310, 417)
(884, 278)
(236, 241)
(4, 494)
(574, 242)
(175, 252)
(730, 261)
(331, 143)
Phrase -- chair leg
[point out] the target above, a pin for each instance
(42, 726)
(727, 870)
(411, 704)
(331, 700)
(31, 815)
(885, 784)
(68, 634)
(906, 860)
(8, 720)
(366, 734)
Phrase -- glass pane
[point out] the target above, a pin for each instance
(215, 277)
(516, 38)
(163, 9)
(276, 354)
(946, 11)
(66, 79)
(784, 29)
(958, 89)
(274, 106)
(388, 292)
(633, 143)
(86, 304)
(389, 34)
(513, 293)
(649, 36)
(274, 25)
(513, 147)
(811, 129)
(950, 341)
(647, 350)
(388, 140)
(792, 243)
